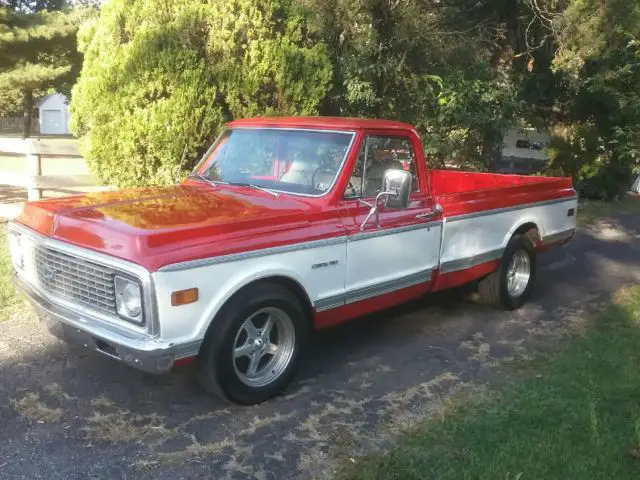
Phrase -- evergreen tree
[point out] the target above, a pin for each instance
(37, 51)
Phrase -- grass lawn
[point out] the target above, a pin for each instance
(572, 413)
(590, 210)
(10, 301)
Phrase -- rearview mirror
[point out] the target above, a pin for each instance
(399, 182)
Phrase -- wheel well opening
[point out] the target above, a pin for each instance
(530, 230)
(291, 285)
(286, 282)
(295, 288)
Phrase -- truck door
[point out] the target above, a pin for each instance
(403, 249)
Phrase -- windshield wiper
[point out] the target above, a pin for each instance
(251, 185)
(200, 177)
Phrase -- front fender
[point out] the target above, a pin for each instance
(217, 282)
(216, 285)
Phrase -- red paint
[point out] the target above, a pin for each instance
(439, 282)
(461, 277)
(339, 315)
(181, 362)
(159, 226)
(322, 123)
(461, 192)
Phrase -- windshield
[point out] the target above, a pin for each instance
(293, 161)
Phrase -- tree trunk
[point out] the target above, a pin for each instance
(28, 109)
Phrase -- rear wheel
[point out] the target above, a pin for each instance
(511, 285)
(253, 347)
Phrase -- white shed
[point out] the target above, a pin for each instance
(54, 117)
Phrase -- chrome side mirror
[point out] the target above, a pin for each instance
(374, 208)
(398, 181)
(396, 188)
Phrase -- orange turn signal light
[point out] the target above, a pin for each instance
(183, 297)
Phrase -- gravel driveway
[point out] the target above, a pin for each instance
(66, 413)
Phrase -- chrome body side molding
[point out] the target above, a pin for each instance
(371, 291)
(495, 211)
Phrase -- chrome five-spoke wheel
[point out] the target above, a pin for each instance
(254, 345)
(263, 346)
(518, 273)
(511, 284)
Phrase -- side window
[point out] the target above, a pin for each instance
(378, 154)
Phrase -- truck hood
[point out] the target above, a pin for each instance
(158, 226)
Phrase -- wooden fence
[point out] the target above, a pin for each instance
(13, 125)
(30, 153)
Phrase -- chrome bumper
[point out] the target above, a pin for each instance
(143, 353)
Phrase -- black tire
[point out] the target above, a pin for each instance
(493, 288)
(216, 370)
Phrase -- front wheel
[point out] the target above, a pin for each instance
(253, 347)
(511, 285)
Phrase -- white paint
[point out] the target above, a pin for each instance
(511, 137)
(477, 235)
(54, 116)
(217, 283)
(389, 257)
(361, 263)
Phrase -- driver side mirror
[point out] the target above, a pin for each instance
(399, 182)
(396, 188)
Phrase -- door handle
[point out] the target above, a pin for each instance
(435, 211)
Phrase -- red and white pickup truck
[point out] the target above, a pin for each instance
(286, 225)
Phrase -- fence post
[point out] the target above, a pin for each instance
(34, 164)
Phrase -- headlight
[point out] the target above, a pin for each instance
(128, 299)
(15, 249)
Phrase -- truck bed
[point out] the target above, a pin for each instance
(462, 193)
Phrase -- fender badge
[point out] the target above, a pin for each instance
(324, 264)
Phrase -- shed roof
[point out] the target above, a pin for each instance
(50, 97)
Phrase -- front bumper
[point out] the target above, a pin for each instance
(143, 353)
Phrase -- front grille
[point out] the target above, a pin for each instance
(80, 281)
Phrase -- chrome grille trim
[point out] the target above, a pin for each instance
(151, 326)
(78, 280)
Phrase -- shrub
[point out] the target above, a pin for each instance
(598, 170)
(160, 78)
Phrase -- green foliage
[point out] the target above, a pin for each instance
(581, 153)
(10, 301)
(160, 79)
(37, 53)
(30, 6)
(599, 55)
(409, 61)
(468, 123)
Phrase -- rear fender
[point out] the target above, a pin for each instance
(522, 221)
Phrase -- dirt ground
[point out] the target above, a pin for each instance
(67, 413)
